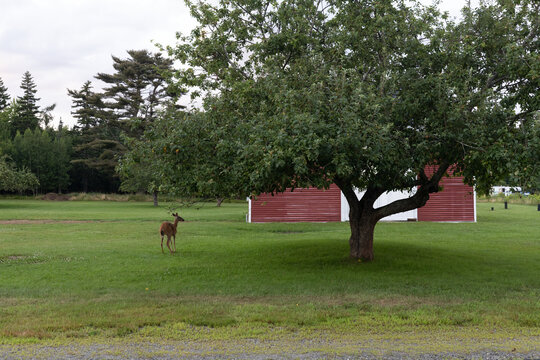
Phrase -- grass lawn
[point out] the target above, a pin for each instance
(97, 272)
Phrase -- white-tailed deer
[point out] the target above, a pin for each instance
(169, 229)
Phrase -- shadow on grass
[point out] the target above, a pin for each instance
(322, 267)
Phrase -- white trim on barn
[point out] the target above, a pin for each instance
(383, 200)
(474, 202)
(248, 217)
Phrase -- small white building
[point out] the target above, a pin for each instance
(506, 190)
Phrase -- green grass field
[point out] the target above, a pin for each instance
(97, 272)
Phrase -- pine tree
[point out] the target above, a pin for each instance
(4, 96)
(96, 142)
(28, 110)
(86, 107)
(46, 115)
(138, 89)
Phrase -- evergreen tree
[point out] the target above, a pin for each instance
(107, 121)
(96, 142)
(6, 118)
(46, 115)
(4, 96)
(135, 95)
(138, 89)
(86, 105)
(27, 110)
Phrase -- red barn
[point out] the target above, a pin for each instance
(455, 203)
(300, 205)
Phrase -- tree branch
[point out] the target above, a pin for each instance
(419, 199)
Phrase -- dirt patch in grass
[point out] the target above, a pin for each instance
(55, 197)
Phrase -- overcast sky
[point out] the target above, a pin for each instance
(64, 43)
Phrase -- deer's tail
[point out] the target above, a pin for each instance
(162, 233)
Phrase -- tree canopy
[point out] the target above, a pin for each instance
(361, 94)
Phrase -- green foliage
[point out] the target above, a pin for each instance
(368, 94)
(46, 154)
(46, 115)
(5, 124)
(12, 179)
(88, 107)
(138, 169)
(191, 157)
(110, 123)
(526, 161)
(97, 141)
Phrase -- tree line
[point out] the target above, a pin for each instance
(84, 157)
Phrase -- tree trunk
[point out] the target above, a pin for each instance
(361, 240)
(154, 194)
(219, 201)
(363, 217)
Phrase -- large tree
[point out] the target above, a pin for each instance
(365, 95)
(137, 93)
(27, 116)
(97, 141)
(110, 122)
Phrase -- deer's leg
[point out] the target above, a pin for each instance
(174, 242)
(169, 243)
(162, 244)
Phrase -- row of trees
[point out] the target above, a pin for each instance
(110, 120)
(85, 157)
(34, 156)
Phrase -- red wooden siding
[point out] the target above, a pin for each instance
(454, 203)
(300, 205)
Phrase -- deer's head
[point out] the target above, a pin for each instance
(178, 217)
